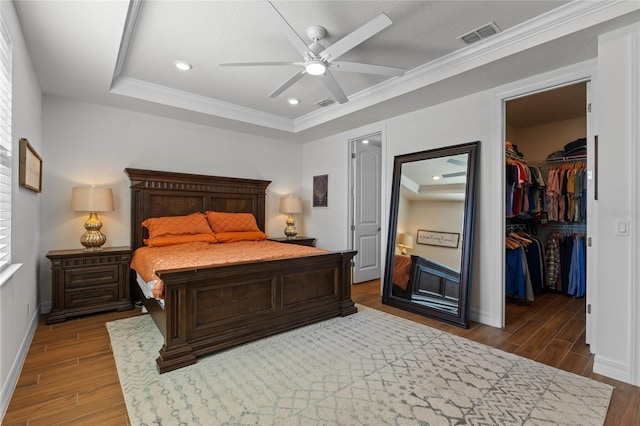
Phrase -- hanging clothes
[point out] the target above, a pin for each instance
(565, 195)
(565, 259)
(552, 260)
(524, 186)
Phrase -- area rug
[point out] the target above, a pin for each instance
(370, 368)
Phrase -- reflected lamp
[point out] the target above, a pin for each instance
(405, 242)
(92, 199)
(290, 205)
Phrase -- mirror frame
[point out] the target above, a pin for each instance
(460, 319)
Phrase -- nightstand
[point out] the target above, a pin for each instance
(85, 282)
(302, 241)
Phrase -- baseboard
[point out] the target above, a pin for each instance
(14, 374)
(611, 368)
(483, 318)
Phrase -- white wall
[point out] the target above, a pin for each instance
(19, 295)
(618, 297)
(92, 144)
(442, 216)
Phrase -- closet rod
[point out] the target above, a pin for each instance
(514, 157)
(565, 225)
(576, 159)
(512, 227)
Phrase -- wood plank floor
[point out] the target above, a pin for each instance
(70, 377)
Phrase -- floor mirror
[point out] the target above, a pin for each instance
(430, 241)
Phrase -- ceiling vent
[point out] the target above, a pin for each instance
(325, 102)
(480, 33)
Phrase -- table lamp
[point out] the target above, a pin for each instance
(93, 200)
(404, 242)
(290, 205)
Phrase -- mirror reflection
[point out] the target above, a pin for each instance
(430, 231)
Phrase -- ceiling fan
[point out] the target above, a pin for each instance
(319, 61)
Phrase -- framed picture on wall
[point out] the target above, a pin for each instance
(436, 238)
(30, 173)
(320, 191)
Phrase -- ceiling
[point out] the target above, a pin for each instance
(121, 53)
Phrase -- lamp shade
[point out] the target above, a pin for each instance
(91, 199)
(290, 205)
(405, 240)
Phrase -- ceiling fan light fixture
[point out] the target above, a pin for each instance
(315, 67)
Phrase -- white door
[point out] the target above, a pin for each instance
(366, 227)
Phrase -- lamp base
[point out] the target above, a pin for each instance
(93, 238)
(290, 231)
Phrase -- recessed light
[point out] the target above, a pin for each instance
(436, 177)
(365, 141)
(293, 101)
(182, 65)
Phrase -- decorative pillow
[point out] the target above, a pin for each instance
(231, 237)
(195, 223)
(170, 240)
(232, 222)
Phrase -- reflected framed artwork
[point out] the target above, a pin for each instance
(320, 191)
(436, 238)
(30, 173)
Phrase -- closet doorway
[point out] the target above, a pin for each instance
(548, 193)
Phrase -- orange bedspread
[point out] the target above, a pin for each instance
(147, 261)
(401, 270)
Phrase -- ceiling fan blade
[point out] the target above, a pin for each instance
(367, 68)
(457, 162)
(297, 76)
(456, 174)
(292, 35)
(334, 88)
(257, 64)
(353, 39)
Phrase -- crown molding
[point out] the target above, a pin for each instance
(156, 93)
(562, 21)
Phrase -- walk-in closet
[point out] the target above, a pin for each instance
(546, 179)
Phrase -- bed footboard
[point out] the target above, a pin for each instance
(210, 309)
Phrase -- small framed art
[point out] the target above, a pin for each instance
(320, 191)
(30, 173)
(436, 238)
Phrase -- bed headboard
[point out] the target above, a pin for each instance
(157, 193)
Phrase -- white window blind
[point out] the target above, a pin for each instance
(5, 147)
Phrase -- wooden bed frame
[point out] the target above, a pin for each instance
(210, 309)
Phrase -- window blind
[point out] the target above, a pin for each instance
(5, 147)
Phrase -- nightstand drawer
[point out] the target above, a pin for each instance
(88, 296)
(88, 277)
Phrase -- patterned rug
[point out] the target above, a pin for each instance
(370, 368)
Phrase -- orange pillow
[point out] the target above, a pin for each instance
(170, 240)
(232, 222)
(194, 223)
(231, 237)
